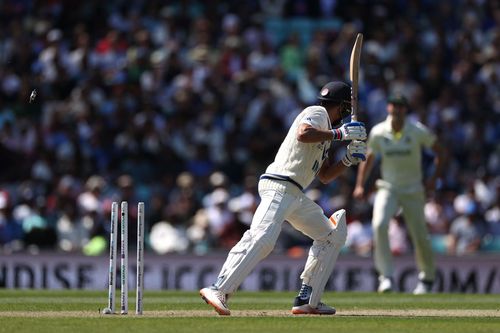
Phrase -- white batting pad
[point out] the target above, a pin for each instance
(323, 256)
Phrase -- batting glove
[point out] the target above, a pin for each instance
(356, 152)
(351, 131)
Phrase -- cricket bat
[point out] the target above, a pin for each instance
(354, 75)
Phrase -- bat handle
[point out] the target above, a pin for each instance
(354, 115)
(354, 106)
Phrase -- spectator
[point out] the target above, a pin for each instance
(165, 89)
(221, 221)
(359, 238)
(466, 232)
(11, 230)
(492, 216)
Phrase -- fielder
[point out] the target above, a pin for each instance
(301, 157)
(399, 144)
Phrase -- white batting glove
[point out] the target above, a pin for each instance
(356, 152)
(351, 131)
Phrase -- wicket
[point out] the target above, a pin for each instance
(112, 257)
(140, 259)
(124, 259)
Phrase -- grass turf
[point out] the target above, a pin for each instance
(175, 311)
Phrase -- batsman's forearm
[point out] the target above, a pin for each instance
(309, 134)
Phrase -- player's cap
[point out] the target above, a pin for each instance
(335, 91)
(398, 99)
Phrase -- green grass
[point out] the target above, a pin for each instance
(78, 311)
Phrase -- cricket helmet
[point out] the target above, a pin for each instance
(335, 91)
(339, 93)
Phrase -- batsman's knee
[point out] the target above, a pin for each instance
(266, 244)
(323, 254)
(339, 234)
(262, 243)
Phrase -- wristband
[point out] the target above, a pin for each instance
(337, 134)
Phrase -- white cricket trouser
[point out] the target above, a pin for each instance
(386, 204)
(280, 201)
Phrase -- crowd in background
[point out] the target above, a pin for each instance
(182, 105)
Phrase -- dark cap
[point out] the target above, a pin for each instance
(335, 91)
(397, 99)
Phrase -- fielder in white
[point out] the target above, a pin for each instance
(399, 143)
(301, 157)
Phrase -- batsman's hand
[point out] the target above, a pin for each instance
(351, 131)
(356, 152)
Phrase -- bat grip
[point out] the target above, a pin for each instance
(354, 107)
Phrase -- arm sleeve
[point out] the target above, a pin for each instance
(317, 119)
(373, 143)
(425, 137)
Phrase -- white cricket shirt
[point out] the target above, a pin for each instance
(298, 160)
(401, 165)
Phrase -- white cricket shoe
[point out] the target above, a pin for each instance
(422, 288)
(217, 299)
(301, 306)
(384, 284)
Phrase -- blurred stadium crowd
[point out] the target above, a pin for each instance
(182, 104)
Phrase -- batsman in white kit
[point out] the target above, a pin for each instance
(303, 155)
(399, 143)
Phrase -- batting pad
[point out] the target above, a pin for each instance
(323, 256)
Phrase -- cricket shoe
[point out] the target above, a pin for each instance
(423, 287)
(301, 306)
(217, 299)
(384, 284)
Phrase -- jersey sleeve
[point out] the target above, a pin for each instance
(373, 142)
(424, 135)
(316, 118)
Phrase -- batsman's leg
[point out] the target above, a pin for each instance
(257, 242)
(323, 256)
(329, 237)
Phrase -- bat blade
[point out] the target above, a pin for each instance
(354, 75)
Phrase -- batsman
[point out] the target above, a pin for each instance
(301, 158)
